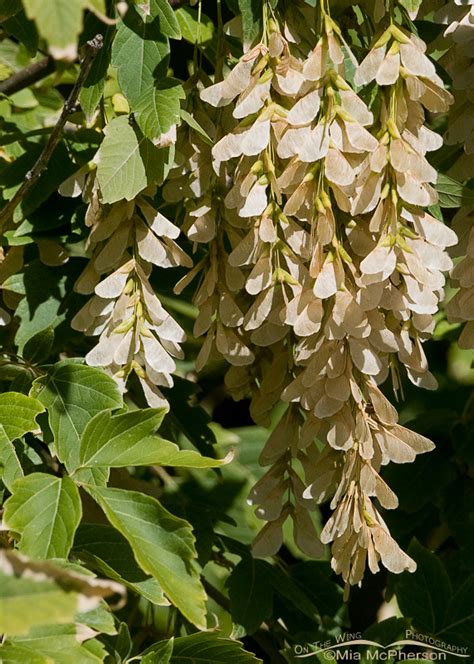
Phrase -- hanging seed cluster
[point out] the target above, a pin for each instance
(321, 267)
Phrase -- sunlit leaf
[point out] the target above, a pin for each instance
(162, 543)
(45, 511)
(73, 393)
(59, 22)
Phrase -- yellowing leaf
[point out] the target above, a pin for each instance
(121, 170)
(29, 602)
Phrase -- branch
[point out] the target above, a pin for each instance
(92, 48)
(27, 76)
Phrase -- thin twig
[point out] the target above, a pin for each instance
(27, 76)
(92, 48)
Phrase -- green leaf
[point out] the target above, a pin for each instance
(41, 595)
(38, 348)
(10, 467)
(161, 653)
(435, 471)
(193, 30)
(125, 440)
(97, 476)
(251, 11)
(59, 22)
(169, 25)
(410, 5)
(19, 655)
(120, 645)
(60, 166)
(436, 211)
(93, 88)
(31, 601)
(36, 319)
(137, 51)
(167, 453)
(191, 122)
(97, 6)
(251, 593)
(459, 625)
(56, 643)
(457, 511)
(385, 633)
(99, 619)
(192, 421)
(424, 594)
(158, 161)
(24, 30)
(253, 586)
(18, 414)
(453, 194)
(315, 577)
(9, 8)
(120, 440)
(73, 393)
(121, 172)
(43, 307)
(158, 109)
(105, 550)
(163, 546)
(24, 99)
(207, 648)
(291, 591)
(46, 511)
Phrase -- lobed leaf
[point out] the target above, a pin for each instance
(45, 510)
(54, 643)
(169, 25)
(424, 595)
(59, 22)
(137, 52)
(193, 30)
(18, 414)
(163, 546)
(27, 602)
(73, 393)
(158, 109)
(204, 648)
(10, 465)
(453, 194)
(126, 439)
(107, 552)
